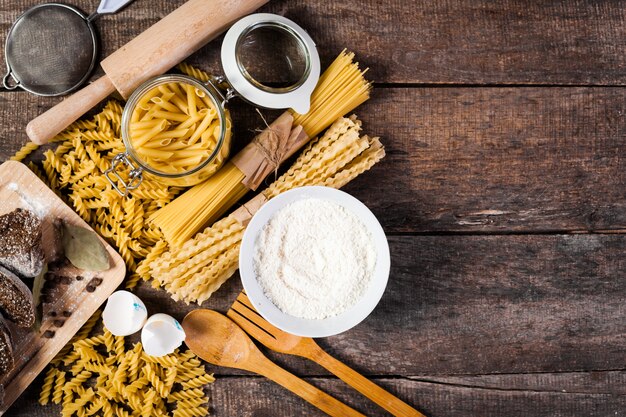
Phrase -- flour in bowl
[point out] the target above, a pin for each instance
(314, 259)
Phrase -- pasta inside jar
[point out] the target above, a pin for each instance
(175, 129)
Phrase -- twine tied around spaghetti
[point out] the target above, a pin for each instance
(269, 148)
(273, 156)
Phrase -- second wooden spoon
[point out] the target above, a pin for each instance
(219, 341)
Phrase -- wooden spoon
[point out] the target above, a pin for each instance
(243, 313)
(219, 341)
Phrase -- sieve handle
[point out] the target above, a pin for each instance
(111, 6)
(46, 126)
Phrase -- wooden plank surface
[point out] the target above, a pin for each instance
(468, 305)
(470, 159)
(498, 159)
(491, 309)
(434, 41)
(257, 397)
(480, 305)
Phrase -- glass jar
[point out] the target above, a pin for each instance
(139, 158)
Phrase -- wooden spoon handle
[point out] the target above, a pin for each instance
(308, 392)
(383, 398)
(45, 126)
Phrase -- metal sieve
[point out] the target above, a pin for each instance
(52, 48)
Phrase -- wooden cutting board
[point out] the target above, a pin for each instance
(19, 187)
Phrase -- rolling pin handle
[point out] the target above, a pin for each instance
(47, 125)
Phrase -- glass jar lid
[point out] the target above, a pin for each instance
(271, 62)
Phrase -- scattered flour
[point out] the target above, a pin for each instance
(33, 203)
(314, 259)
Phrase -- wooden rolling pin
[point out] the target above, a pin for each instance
(153, 52)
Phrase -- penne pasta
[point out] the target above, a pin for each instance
(147, 135)
(193, 160)
(192, 100)
(191, 122)
(165, 104)
(171, 134)
(170, 116)
(175, 127)
(204, 125)
(180, 95)
(157, 154)
(186, 153)
(146, 124)
(145, 100)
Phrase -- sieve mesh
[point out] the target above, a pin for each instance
(51, 49)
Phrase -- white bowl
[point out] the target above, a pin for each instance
(309, 327)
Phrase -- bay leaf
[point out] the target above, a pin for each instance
(84, 249)
(37, 287)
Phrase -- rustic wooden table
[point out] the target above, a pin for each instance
(502, 193)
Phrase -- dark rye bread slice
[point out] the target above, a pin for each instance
(6, 351)
(21, 248)
(16, 300)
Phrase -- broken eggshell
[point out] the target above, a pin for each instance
(161, 335)
(124, 313)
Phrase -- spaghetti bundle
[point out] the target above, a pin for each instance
(340, 89)
(209, 200)
(197, 269)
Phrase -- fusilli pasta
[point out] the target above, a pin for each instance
(26, 150)
(111, 380)
(48, 384)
